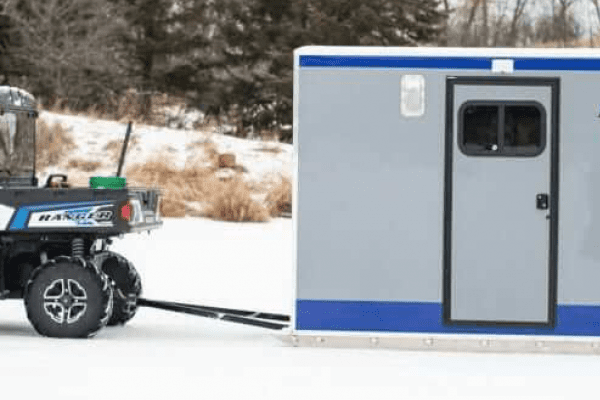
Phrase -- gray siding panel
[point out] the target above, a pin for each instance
(370, 188)
(579, 220)
(370, 208)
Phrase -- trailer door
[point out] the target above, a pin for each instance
(501, 201)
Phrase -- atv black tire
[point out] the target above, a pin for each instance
(127, 285)
(68, 297)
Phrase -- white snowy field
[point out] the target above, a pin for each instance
(163, 355)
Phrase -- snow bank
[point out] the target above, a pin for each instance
(262, 160)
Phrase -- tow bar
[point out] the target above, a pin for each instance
(254, 318)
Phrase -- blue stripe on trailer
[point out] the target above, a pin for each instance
(417, 317)
(22, 215)
(396, 62)
(483, 63)
(557, 64)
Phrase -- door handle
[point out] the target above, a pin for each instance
(541, 201)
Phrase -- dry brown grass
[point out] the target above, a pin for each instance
(53, 143)
(279, 199)
(577, 42)
(172, 207)
(114, 147)
(126, 107)
(129, 106)
(270, 136)
(84, 165)
(159, 173)
(210, 153)
(228, 200)
(206, 160)
(59, 106)
(233, 202)
(270, 149)
(179, 185)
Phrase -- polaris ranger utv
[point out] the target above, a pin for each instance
(54, 238)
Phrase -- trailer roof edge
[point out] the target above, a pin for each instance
(587, 53)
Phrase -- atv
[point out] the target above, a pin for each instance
(54, 238)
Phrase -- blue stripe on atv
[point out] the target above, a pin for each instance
(21, 217)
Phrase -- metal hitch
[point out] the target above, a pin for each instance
(254, 318)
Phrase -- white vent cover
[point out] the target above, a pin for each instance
(503, 66)
(412, 95)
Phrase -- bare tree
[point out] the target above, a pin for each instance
(484, 8)
(444, 38)
(514, 22)
(499, 22)
(563, 15)
(484, 22)
(597, 8)
(69, 46)
(472, 10)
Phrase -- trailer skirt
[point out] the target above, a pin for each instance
(446, 343)
(424, 317)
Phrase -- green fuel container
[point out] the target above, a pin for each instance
(107, 182)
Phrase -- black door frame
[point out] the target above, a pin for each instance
(554, 84)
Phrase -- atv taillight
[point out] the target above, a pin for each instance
(158, 208)
(126, 211)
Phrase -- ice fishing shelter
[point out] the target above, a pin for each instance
(447, 197)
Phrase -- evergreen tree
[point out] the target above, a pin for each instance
(257, 39)
(67, 48)
(163, 37)
(8, 40)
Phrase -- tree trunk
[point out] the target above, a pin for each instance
(514, 23)
(444, 41)
(563, 16)
(564, 8)
(469, 22)
(485, 24)
(597, 8)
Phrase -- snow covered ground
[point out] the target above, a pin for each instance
(162, 355)
(262, 160)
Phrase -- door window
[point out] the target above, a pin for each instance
(522, 128)
(480, 128)
(502, 128)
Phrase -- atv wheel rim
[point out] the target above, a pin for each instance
(65, 301)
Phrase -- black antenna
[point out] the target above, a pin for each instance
(124, 150)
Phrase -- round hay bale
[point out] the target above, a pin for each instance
(226, 160)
